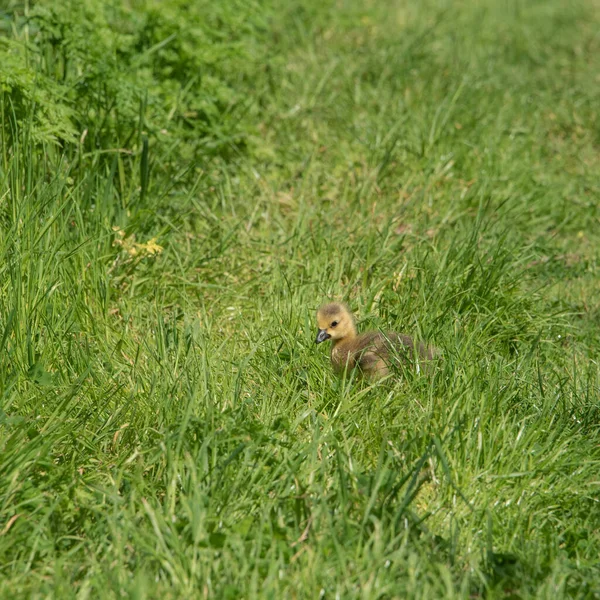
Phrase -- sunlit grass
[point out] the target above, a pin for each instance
(168, 427)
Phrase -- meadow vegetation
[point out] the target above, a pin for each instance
(183, 183)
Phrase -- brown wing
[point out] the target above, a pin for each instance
(371, 353)
(384, 349)
(358, 352)
(407, 345)
(375, 352)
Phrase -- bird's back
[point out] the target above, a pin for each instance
(374, 352)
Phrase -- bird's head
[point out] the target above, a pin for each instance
(335, 323)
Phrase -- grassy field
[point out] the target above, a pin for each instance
(182, 184)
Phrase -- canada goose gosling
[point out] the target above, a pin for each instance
(372, 352)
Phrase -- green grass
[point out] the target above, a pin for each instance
(168, 428)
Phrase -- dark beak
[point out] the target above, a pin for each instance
(322, 336)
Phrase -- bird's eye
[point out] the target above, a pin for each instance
(334, 323)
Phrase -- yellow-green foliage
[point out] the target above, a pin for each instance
(182, 184)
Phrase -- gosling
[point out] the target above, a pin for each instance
(373, 352)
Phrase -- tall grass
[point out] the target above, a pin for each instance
(182, 185)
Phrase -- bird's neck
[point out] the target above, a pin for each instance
(347, 338)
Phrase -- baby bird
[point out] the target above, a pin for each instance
(372, 352)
